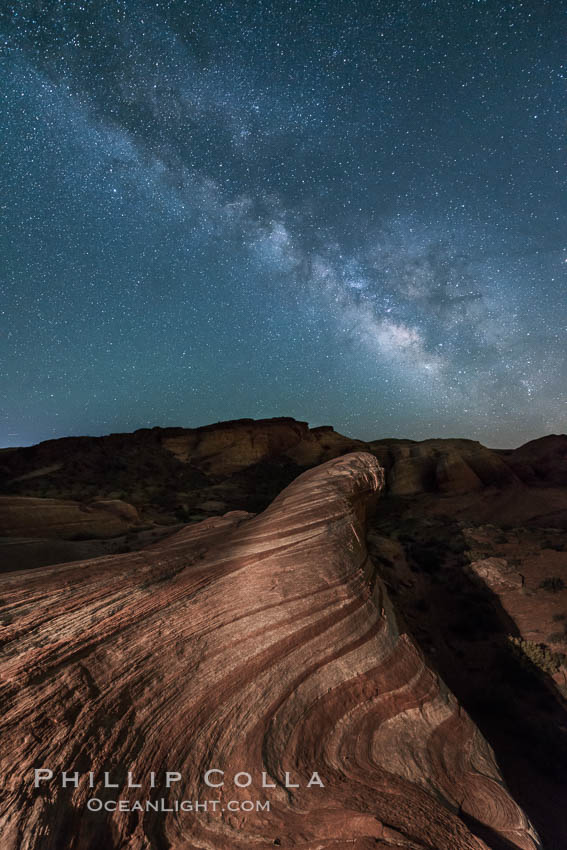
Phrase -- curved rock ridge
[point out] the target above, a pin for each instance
(246, 644)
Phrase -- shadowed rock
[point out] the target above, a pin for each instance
(65, 489)
(22, 516)
(261, 644)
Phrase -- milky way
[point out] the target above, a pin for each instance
(350, 213)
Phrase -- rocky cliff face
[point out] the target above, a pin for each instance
(197, 457)
(229, 447)
(446, 466)
(263, 644)
(166, 476)
(487, 604)
(542, 461)
(217, 450)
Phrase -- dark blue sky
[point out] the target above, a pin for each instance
(348, 212)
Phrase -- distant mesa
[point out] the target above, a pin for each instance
(118, 486)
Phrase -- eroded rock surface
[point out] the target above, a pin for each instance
(446, 466)
(488, 606)
(497, 575)
(22, 516)
(244, 644)
(178, 475)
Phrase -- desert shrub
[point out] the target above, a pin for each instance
(557, 637)
(538, 655)
(560, 636)
(553, 584)
(476, 555)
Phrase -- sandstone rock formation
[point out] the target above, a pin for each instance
(488, 606)
(263, 644)
(227, 447)
(540, 461)
(177, 475)
(216, 450)
(22, 516)
(497, 575)
(440, 465)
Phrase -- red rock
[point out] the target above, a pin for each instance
(244, 644)
(542, 461)
(497, 574)
(22, 516)
(441, 466)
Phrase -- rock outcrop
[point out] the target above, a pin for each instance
(176, 475)
(441, 466)
(216, 450)
(497, 575)
(228, 447)
(488, 607)
(542, 461)
(22, 516)
(246, 644)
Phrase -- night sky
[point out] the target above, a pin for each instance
(352, 213)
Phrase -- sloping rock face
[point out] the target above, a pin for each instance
(193, 457)
(22, 516)
(441, 466)
(487, 604)
(228, 447)
(497, 575)
(247, 645)
(177, 475)
(216, 450)
(542, 461)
